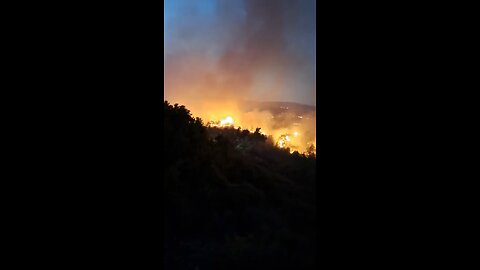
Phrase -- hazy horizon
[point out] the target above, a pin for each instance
(240, 49)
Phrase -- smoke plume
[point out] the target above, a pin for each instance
(219, 53)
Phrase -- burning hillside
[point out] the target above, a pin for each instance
(245, 50)
(227, 188)
(237, 198)
(287, 125)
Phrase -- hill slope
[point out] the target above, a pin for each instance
(279, 107)
(233, 200)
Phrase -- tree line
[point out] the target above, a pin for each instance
(233, 200)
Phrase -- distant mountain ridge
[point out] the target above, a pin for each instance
(278, 107)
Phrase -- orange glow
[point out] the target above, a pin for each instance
(227, 121)
(286, 130)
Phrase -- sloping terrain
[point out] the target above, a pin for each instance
(277, 108)
(234, 200)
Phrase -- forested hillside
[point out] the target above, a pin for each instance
(233, 200)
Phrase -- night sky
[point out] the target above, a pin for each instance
(261, 50)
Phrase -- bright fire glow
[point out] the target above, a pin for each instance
(286, 138)
(227, 121)
(283, 130)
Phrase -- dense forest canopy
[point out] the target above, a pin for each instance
(233, 199)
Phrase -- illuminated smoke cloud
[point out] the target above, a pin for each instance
(219, 53)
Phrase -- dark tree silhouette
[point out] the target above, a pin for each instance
(234, 200)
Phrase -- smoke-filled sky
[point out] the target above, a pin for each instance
(261, 50)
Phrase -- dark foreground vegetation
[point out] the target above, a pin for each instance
(233, 200)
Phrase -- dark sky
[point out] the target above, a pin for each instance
(240, 49)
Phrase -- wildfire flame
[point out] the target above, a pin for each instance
(295, 137)
(227, 121)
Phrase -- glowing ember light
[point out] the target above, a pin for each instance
(283, 141)
(288, 138)
(227, 121)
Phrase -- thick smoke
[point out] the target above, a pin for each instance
(221, 52)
